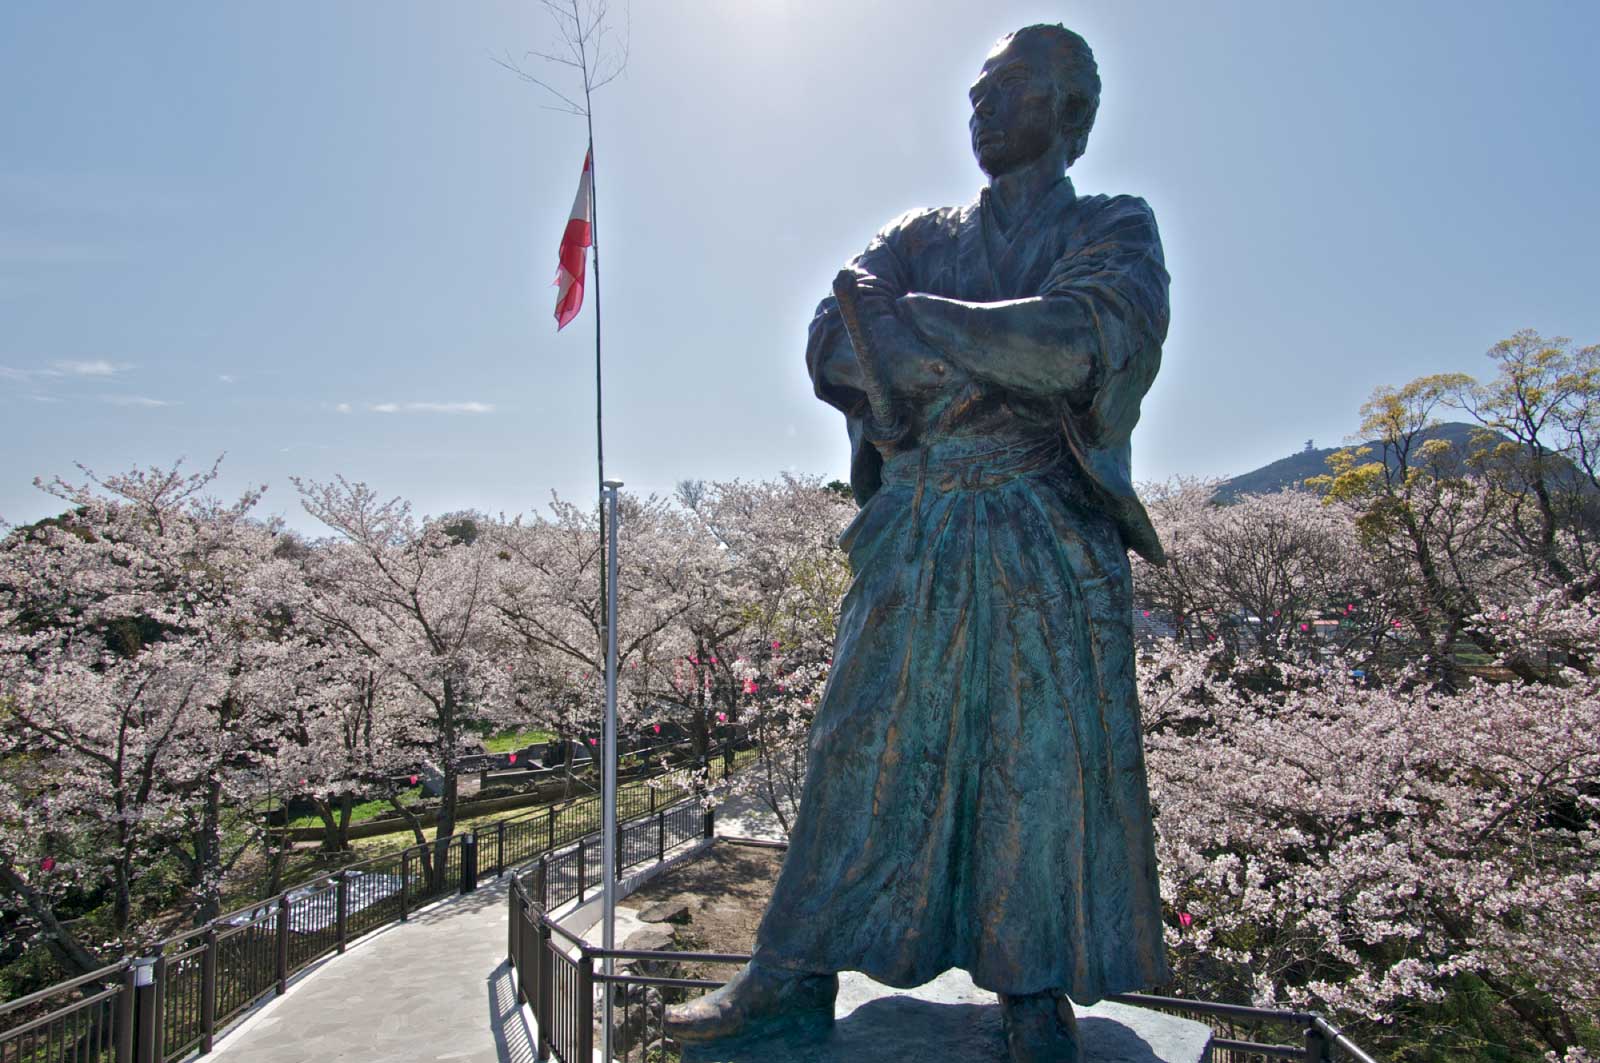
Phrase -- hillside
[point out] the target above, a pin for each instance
(1297, 468)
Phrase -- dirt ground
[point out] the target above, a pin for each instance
(726, 892)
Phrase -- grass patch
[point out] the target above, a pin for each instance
(508, 741)
(362, 811)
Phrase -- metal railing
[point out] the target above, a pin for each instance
(557, 977)
(555, 968)
(172, 1004)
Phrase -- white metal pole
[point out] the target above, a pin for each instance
(609, 786)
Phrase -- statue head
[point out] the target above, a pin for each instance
(1037, 94)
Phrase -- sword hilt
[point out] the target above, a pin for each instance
(884, 425)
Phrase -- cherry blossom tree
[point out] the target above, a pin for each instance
(413, 598)
(136, 658)
(1378, 851)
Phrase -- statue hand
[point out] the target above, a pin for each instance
(911, 366)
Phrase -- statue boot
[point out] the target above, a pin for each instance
(1040, 1028)
(759, 999)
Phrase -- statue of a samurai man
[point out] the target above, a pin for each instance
(976, 793)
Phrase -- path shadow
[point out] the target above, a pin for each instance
(514, 1039)
(491, 892)
(901, 1029)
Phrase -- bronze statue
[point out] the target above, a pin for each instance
(976, 793)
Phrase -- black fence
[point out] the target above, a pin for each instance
(555, 968)
(172, 1004)
(557, 977)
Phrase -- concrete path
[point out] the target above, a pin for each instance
(437, 987)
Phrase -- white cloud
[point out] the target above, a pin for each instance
(343, 407)
(227, 378)
(432, 407)
(98, 367)
(135, 400)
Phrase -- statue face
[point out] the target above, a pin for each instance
(1014, 119)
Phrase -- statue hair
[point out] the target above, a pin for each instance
(1077, 77)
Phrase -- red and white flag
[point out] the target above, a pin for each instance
(574, 248)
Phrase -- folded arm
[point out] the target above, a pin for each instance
(1043, 346)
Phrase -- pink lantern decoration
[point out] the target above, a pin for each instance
(512, 759)
(722, 717)
(413, 780)
(1396, 623)
(1185, 920)
(1305, 627)
(657, 728)
(1147, 614)
(775, 645)
(594, 742)
(47, 864)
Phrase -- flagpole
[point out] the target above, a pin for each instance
(608, 797)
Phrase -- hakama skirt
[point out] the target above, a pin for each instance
(975, 794)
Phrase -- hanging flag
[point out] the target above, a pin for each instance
(574, 243)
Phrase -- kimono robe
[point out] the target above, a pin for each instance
(976, 794)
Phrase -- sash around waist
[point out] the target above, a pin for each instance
(972, 464)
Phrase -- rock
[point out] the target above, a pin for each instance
(665, 912)
(654, 938)
(651, 939)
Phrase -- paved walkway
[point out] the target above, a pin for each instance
(435, 988)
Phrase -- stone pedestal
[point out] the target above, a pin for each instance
(950, 1019)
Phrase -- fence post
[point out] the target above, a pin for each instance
(550, 829)
(652, 790)
(616, 854)
(283, 944)
(208, 991)
(500, 848)
(469, 862)
(661, 837)
(581, 870)
(544, 880)
(711, 823)
(125, 1014)
(405, 876)
(544, 993)
(586, 1005)
(147, 1017)
(514, 908)
(1316, 1046)
(341, 910)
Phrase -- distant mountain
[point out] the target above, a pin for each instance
(1297, 468)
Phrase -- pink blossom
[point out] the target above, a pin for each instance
(47, 864)
(722, 717)
(750, 686)
(1185, 920)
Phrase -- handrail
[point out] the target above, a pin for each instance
(61, 987)
(1320, 1035)
(1338, 1037)
(190, 986)
(1227, 1011)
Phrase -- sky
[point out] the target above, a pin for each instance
(318, 236)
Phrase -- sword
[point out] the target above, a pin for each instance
(884, 425)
